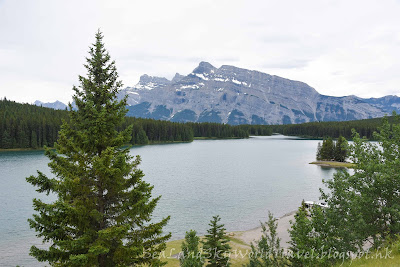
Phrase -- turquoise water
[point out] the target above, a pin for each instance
(238, 179)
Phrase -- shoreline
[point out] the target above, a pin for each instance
(136, 145)
(333, 164)
(240, 242)
(252, 235)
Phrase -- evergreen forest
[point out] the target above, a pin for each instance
(30, 126)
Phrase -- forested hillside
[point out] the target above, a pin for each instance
(332, 129)
(30, 126)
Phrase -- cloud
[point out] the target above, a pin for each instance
(338, 47)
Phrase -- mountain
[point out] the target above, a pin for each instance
(239, 96)
(54, 105)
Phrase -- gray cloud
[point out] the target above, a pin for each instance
(338, 47)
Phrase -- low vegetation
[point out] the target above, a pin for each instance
(333, 164)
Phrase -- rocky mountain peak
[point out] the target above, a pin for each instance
(151, 82)
(177, 78)
(241, 96)
(204, 68)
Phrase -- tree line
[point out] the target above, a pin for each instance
(30, 126)
(333, 129)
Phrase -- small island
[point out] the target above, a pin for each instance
(333, 154)
(333, 164)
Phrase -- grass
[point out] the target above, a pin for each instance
(334, 164)
(239, 252)
(385, 257)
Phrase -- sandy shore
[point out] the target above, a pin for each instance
(282, 230)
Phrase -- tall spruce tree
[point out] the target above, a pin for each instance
(102, 215)
(191, 255)
(340, 152)
(216, 245)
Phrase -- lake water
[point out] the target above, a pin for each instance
(238, 179)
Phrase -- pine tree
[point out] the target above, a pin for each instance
(318, 156)
(216, 245)
(102, 215)
(34, 140)
(327, 149)
(6, 141)
(340, 153)
(191, 255)
(141, 137)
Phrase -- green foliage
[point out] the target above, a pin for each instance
(267, 251)
(191, 255)
(374, 186)
(216, 248)
(22, 121)
(158, 131)
(332, 150)
(363, 207)
(309, 242)
(327, 149)
(340, 151)
(218, 130)
(28, 126)
(368, 200)
(102, 215)
(333, 129)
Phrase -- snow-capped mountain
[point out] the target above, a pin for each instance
(239, 96)
(54, 105)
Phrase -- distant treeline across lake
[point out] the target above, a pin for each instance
(30, 126)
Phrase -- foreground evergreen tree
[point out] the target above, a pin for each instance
(216, 245)
(103, 209)
(268, 251)
(191, 255)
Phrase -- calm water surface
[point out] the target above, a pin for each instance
(238, 179)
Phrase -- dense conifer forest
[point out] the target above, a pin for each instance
(30, 126)
(332, 129)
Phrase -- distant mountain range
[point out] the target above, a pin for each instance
(53, 105)
(239, 96)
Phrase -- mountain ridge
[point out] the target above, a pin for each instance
(234, 95)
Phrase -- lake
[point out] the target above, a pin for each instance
(238, 179)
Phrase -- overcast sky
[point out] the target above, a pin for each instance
(337, 47)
